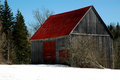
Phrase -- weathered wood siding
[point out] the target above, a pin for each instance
(37, 52)
(91, 25)
(104, 47)
(37, 49)
(61, 44)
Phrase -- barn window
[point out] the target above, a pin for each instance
(63, 55)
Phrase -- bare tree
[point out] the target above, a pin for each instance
(83, 52)
(11, 56)
(2, 44)
(7, 47)
(40, 17)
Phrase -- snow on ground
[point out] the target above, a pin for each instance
(55, 72)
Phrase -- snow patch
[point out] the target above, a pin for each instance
(55, 72)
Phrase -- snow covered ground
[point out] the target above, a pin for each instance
(55, 72)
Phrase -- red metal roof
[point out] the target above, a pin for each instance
(60, 24)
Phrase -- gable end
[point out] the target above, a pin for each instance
(91, 23)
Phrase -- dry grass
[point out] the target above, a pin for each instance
(83, 52)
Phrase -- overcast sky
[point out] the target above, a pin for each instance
(109, 10)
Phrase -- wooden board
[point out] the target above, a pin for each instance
(49, 51)
(63, 55)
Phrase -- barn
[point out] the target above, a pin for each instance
(49, 41)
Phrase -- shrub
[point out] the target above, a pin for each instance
(83, 52)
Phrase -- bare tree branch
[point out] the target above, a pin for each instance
(40, 17)
(83, 52)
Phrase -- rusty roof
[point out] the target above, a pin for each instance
(60, 24)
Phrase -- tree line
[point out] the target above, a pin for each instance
(115, 30)
(14, 36)
(14, 41)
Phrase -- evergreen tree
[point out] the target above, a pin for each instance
(1, 9)
(20, 37)
(7, 23)
(117, 30)
(111, 27)
(7, 18)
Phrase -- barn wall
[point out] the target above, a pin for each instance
(104, 44)
(104, 47)
(37, 48)
(37, 52)
(91, 24)
(111, 52)
(61, 44)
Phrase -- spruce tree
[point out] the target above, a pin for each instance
(7, 18)
(117, 35)
(1, 9)
(20, 37)
(7, 23)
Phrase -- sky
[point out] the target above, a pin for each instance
(109, 10)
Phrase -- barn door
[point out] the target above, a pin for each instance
(49, 51)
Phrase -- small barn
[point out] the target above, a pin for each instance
(49, 41)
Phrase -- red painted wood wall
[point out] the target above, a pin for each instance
(49, 51)
(63, 55)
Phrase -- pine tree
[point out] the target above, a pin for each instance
(1, 9)
(7, 18)
(111, 28)
(117, 30)
(7, 21)
(20, 37)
